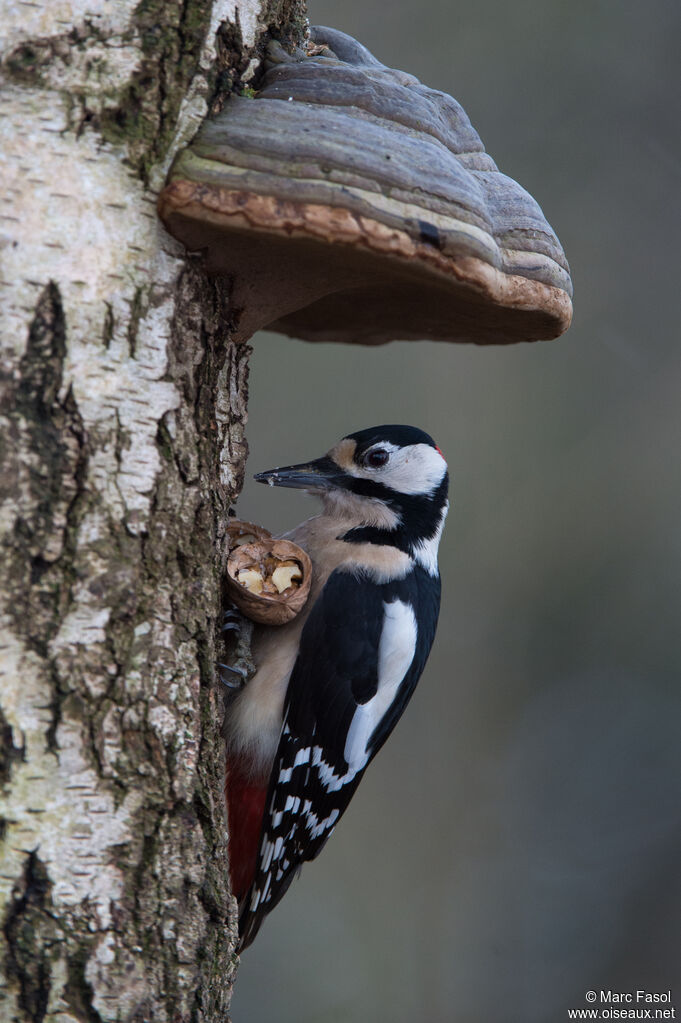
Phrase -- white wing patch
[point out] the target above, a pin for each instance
(395, 653)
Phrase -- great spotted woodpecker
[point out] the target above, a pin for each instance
(331, 685)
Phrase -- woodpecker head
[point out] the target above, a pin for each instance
(392, 479)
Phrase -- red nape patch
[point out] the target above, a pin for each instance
(245, 808)
(438, 451)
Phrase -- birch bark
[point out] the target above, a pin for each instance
(121, 447)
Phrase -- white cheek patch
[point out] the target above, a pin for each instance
(415, 469)
(395, 654)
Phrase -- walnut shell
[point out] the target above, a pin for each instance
(268, 608)
(238, 533)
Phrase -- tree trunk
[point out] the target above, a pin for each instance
(121, 448)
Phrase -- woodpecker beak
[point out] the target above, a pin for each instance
(318, 475)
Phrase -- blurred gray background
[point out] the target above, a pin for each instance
(517, 841)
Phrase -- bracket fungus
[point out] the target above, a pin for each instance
(346, 201)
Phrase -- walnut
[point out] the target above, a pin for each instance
(268, 579)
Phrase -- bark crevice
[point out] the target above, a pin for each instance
(29, 929)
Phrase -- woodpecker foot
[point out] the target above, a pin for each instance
(240, 679)
(237, 633)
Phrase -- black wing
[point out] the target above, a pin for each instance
(335, 673)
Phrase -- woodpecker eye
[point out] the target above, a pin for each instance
(376, 458)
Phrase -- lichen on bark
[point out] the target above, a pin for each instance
(122, 445)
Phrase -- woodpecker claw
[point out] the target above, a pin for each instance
(239, 672)
(235, 671)
(232, 621)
